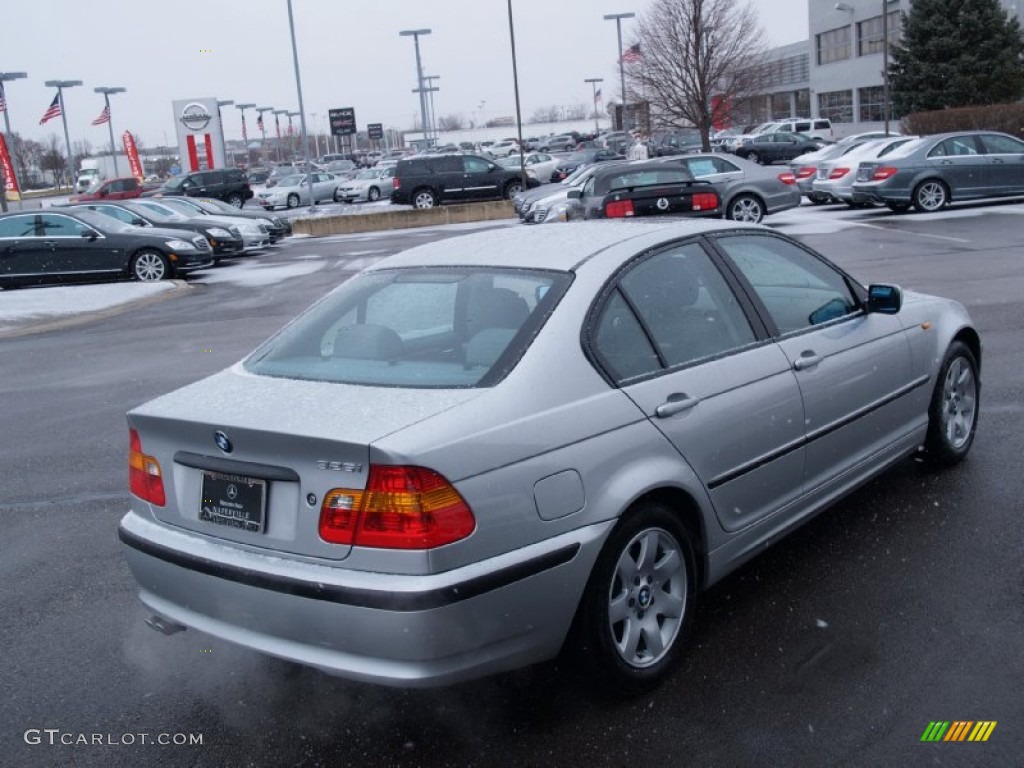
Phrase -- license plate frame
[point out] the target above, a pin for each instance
(233, 501)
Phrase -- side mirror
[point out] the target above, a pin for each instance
(90, 235)
(104, 192)
(138, 222)
(886, 299)
(574, 194)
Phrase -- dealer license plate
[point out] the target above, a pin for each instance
(234, 501)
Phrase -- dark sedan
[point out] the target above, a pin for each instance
(651, 188)
(772, 147)
(223, 241)
(931, 172)
(83, 244)
(279, 226)
(584, 157)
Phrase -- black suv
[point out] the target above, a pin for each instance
(228, 184)
(423, 182)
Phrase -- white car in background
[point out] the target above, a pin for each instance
(539, 165)
(504, 148)
(370, 185)
(293, 191)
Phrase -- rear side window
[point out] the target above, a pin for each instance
(416, 328)
(822, 125)
(1001, 145)
(18, 226)
(956, 146)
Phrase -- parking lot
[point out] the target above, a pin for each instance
(900, 606)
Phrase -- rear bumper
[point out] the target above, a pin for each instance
(391, 629)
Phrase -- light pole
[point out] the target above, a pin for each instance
(277, 128)
(515, 86)
(433, 112)
(885, 63)
(302, 110)
(223, 140)
(593, 83)
(263, 131)
(622, 67)
(291, 134)
(245, 135)
(110, 121)
(6, 77)
(60, 85)
(415, 34)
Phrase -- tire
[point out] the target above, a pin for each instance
(626, 648)
(423, 199)
(512, 189)
(953, 411)
(235, 200)
(930, 195)
(335, 196)
(754, 157)
(373, 194)
(292, 201)
(898, 207)
(745, 208)
(149, 266)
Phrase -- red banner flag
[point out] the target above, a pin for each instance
(10, 181)
(133, 155)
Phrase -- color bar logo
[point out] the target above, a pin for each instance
(958, 730)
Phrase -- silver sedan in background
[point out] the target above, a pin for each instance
(491, 447)
(834, 178)
(293, 191)
(370, 185)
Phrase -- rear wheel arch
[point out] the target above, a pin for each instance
(688, 512)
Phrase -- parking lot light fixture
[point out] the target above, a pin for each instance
(415, 34)
(223, 138)
(263, 130)
(245, 134)
(110, 120)
(515, 86)
(277, 127)
(618, 17)
(593, 83)
(60, 85)
(4, 78)
(302, 109)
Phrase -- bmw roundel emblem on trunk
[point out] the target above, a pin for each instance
(223, 441)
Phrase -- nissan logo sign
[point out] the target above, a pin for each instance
(195, 117)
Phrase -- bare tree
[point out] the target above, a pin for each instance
(545, 115)
(53, 159)
(451, 123)
(25, 154)
(697, 57)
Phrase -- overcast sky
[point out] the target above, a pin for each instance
(350, 54)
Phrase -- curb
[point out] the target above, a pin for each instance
(179, 287)
(375, 222)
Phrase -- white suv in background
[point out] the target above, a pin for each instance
(818, 128)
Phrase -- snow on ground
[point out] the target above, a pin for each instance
(54, 302)
(253, 274)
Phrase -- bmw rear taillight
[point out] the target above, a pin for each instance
(400, 508)
(705, 201)
(787, 178)
(806, 172)
(619, 209)
(144, 477)
(838, 173)
(883, 172)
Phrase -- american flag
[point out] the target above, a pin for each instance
(259, 121)
(103, 118)
(3, 101)
(244, 136)
(632, 54)
(597, 95)
(53, 110)
(277, 123)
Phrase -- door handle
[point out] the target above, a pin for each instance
(50, 243)
(676, 403)
(806, 360)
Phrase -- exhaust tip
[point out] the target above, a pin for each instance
(164, 626)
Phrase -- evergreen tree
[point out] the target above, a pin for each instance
(956, 53)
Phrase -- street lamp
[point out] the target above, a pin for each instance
(885, 63)
(433, 112)
(223, 140)
(263, 130)
(302, 109)
(277, 128)
(291, 133)
(415, 34)
(593, 82)
(60, 85)
(110, 120)
(245, 135)
(6, 77)
(622, 67)
(515, 86)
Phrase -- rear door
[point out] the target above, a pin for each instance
(677, 338)
(75, 253)
(960, 162)
(1006, 163)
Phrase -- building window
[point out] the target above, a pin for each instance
(837, 106)
(803, 102)
(781, 106)
(833, 45)
(869, 34)
(794, 69)
(872, 104)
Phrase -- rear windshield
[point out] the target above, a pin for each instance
(418, 328)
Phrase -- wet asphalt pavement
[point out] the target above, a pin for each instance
(902, 605)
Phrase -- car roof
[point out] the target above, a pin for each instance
(561, 247)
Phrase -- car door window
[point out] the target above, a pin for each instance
(954, 147)
(685, 306)
(18, 226)
(621, 344)
(475, 165)
(118, 213)
(797, 290)
(62, 226)
(1001, 145)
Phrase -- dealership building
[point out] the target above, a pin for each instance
(838, 72)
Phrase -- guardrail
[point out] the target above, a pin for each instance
(405, 219)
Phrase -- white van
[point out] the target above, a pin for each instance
(818, 128)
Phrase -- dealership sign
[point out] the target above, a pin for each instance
(375, 131)
(200, 134)
(195, 117)
(343, 121)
